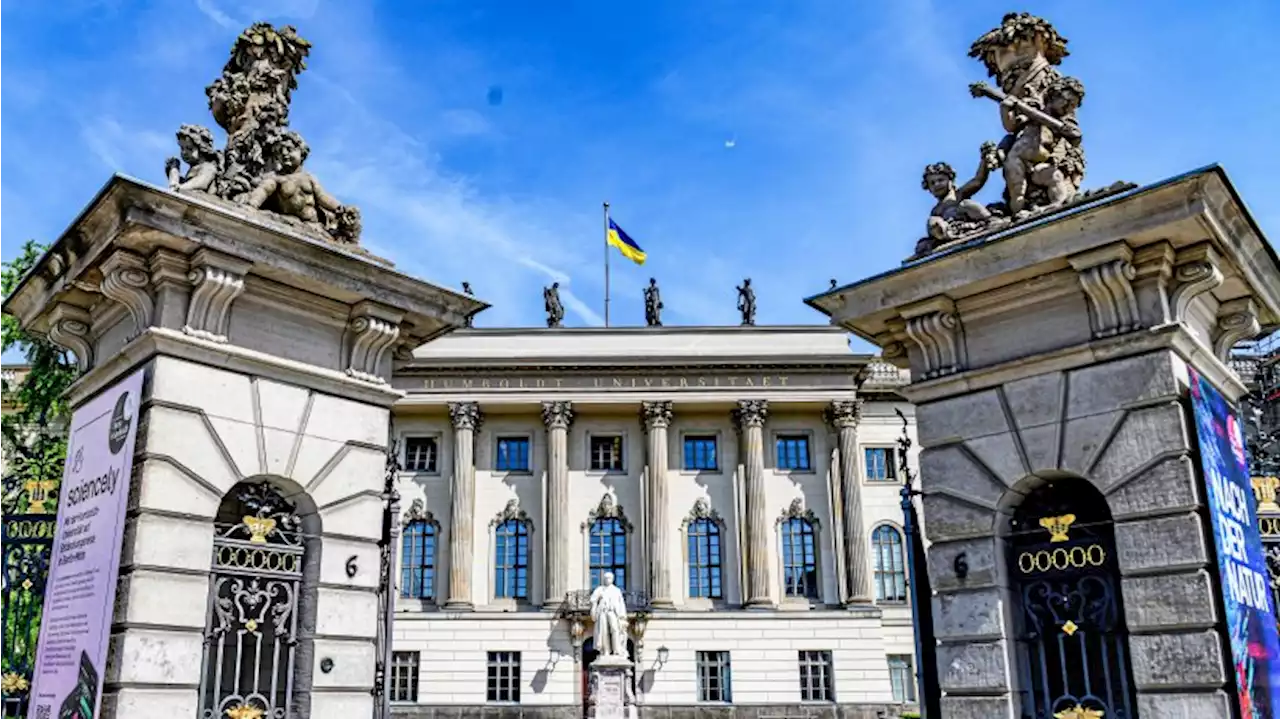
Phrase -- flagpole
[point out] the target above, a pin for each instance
(606, 264)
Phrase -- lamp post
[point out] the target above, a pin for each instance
(927, 690)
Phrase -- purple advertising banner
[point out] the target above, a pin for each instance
(81, 589)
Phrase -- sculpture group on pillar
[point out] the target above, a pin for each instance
(1040, 157)
(261, 165)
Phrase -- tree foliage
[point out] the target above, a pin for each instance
(34, 432)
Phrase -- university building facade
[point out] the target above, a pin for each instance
(740, 483)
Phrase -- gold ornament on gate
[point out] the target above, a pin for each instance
(259, 528)
(1058, 526)
(12, 683)
(1079, 712)
(1264, 490)
(244, 711)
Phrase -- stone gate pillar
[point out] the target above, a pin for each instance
(1059, 350)
(266, 355)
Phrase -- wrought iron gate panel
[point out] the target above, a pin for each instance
(29, 522)
(252, 633)
(1073, 647)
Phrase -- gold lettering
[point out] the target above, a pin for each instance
(666, 382)
(466, 383)
(648, 381)
(559, 382)
(733, 381)
(484, 383)
(782, 380)
(617, 381)
(1062, 559)
(541, 383)
(504, 383)
(764, 381)
(429, 383)
(684, 382)
(749, 382)
(702, 381)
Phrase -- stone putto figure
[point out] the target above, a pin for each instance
(609, 612)
(555, 310)
(747, 302)
(955, 214)
(261, 165)
(652, 304)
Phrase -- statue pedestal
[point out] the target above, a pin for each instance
(611, 695)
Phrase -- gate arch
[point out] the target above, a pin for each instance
(260, 626)
(1072, 645)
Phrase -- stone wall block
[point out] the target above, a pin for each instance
(947, 518)
(977, 707)
(1177, 661)
(1041, 446)
(1002, 454)
(1083, 437)
(972, 616)
(155, 657)
(1184, 706)
(980, 556)
(1035, 401)
(960, 418)
(1170, 485)
(1168, 543)
(1143, 435)
(1103, 387)
(953, 467)
(131, 702)
(973, 667)
(1169, 601)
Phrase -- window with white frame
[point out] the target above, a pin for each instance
(799, 558)
(606, 453)
(608, 551)
(511, 560)
(880, 464)
(890, 564)
(421, 454)
(503, 683)
(816, 681)
(404, 676)
(418, 559)
(714, 682)
(705, 547)
(902, 678)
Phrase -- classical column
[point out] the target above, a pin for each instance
(843, 415)
(466, 418)
(557, 416)
(749, 417)
(657, 417)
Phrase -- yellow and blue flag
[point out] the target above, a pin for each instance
(627, 246)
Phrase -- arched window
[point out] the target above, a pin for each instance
(511, 560)
(799, 558)
(608, 551)
(891, 571)
(418, 560)
(704, 559)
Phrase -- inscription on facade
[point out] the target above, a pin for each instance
(628, 382)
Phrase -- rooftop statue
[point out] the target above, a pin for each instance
(652, 304)
(261, 165)
(747, 302)
(1040, 157)
(551, 301)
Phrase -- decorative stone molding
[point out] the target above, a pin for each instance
(933, 327)
(512, 511)
(1106, 275)
(702, 509)
(1237, 320)
(843, 413)
(168, 269)
(125, 279)
(418, 512)
(218, 280)
(1195, 273)
(465, 415)
(557, 415)
(69, 329)
(607, 509)
(655, 414)
(371, 331)
(797, 510)
(750, 413)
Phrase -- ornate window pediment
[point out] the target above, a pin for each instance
(797, 510)
(608, 509)
(512, 511)
(418, 512)
(702, 509)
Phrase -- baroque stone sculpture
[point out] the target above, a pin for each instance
(1041, 157)
(609, 612)
(652, 304)
(747, 302)
(261, 165)
(551, 300)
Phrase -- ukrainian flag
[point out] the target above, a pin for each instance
(627, 246)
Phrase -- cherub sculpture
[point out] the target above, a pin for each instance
(195, 145)
(294, 192)
(955, 214)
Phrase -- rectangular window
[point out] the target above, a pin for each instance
(704, 558)
(700, 452)
(880, 464)
(902, 678)
(504, 677)
(793, 451)
(815, 677)
(511, 560)
(608, 551)
(606, 453)
(420, 454)
(713, 677)
(513, 454)
(404, 676)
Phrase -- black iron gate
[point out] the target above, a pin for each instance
(29, 521)
(1073, 647)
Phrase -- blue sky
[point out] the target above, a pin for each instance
(777, 140)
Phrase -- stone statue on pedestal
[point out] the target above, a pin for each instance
(652, 304)
(747, 302)
(609, 612)
(551, 301)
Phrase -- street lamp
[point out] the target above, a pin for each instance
(663, 655)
